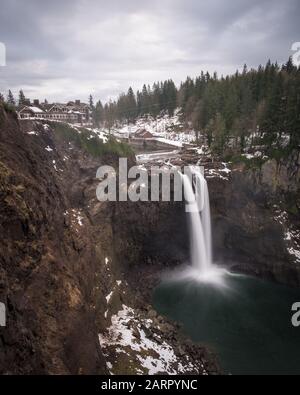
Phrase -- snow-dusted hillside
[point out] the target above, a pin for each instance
(164, 127)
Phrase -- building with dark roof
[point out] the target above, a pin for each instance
(71, 112)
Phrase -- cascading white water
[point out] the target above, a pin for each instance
(198, 210)
(205, 215)
(198, 239)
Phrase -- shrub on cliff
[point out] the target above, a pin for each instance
(6, 108)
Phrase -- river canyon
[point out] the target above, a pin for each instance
(148, 287)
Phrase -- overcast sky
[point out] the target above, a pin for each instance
(67, 49)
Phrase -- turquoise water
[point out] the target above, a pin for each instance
(248, 324)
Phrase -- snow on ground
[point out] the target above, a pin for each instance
(79, 220)
(213, 173)
(178, 144)
(75, 216)
(291, 237)
(54, 165)
(201, 150)
(248, 156)
(144, 158)
(127, 337)
(225, 170)
(280, 216)
(257, 138)
(157, 126)
(102, 135)
(168, 128)
(295, 253)
(33, 133)
(108, 297)
(217, 173)
(255, 155)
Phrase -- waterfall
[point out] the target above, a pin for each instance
(195, 207)
(205, 215)
(198, 211)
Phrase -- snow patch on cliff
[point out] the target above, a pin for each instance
(291, 236)
(127, 335)
(222, 173)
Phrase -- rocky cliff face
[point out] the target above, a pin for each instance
(256, 225)
(255, 220)
(64, 259)
(48, 260)
(76, 273)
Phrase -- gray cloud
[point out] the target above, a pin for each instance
(67, 49)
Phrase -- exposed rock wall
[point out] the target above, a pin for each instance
(48, 263)
(251, 223)
(255, 220)
(151, 233)
(69, 263)
(64, 259)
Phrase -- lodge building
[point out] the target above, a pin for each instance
(71, 112)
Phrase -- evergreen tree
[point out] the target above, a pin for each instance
(91, 102)
(98, 114)
(227, 109)
(22, 98)
(10, 99)
(292, 113)
(131, 111)
(273, 120)
(110, 114)
(139, 103)
(197, 118)
(157, 104)
(171, 96)
(209, 132)
(218, 132)
(145, 100)
(289, 66)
